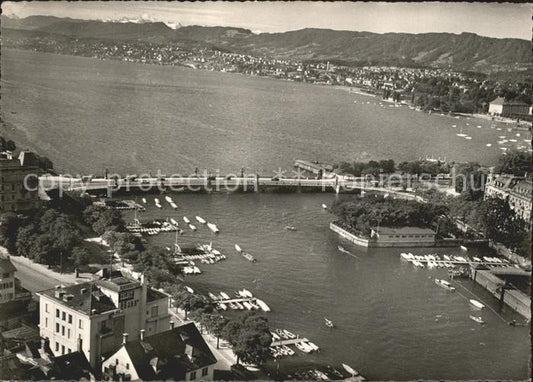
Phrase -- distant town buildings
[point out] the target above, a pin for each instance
(179, 354)
(516, 190)
(92, 317)
(14, 196)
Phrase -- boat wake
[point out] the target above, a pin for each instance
(341, 249)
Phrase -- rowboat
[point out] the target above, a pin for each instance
(329, 323)
(192, 227)
(350, 370)
(200, 220)
(477, 304)
(248, 257)
(222, 306)
(479, 320)
(213, 227)
(445, 284)
(324, 206)
(238, 248)
(186, 219)
(224, 295)
(303, 347)
(144, 200)
(262, 305)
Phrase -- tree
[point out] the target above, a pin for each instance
(9, 226)
(215, 324)
(252, 343)
(515, 162)
(502, 224)
(80, 256)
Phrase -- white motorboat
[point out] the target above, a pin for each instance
(174, 221)
(174, 205)
(275, 336)
(324, 206)
(247, 293)
(212, 296)
(238, 248)
(404, 256)
(444, 284)
(168, 199)
(186, 219)
(479, 320)
(289, 334)
(329, 323)
(200, 220)
(192, 227)
(224, 295)
(189, 289)
(239, 305)
(477, 304)
(158, 205)
(464, 248)
(223, 306)
(262, 305)
(489, 144)
(287, 350)
(312, 346)
(350, 370)
(303, 347)
(281, 334)
(213, 227)
(247, 305)
(144, 200)
(156, 201)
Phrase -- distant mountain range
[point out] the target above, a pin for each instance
(466, 51)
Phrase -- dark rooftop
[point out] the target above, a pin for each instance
(6, 266)
(166, 351)
(91, 298)
(72, 367)
(118, 283)
(153, 295)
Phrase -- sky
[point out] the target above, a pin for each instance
(499, 20)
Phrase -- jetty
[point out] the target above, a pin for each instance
(292, 341)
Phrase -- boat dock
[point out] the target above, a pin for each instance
(292, 341)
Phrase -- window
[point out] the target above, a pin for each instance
(62, 330)
(80, 324)
(63, 316)
(204, 371)
(193, 376)
(68, 334)
(70, 351)
(57, 327)
(46, 322)
(62, 349)
(57, 313)
(46, 308)
(127, 366)
(70, 318)
(116, 361)
(154, 310)
(57, 346)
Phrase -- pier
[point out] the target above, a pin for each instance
(292, 341)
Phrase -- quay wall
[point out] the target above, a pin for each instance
(349, 236)
(515, 299)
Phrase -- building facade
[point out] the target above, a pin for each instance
(7, 280)
(14, 196)
(403, 236)
(516, 190)
(503, 108)
(92, 317)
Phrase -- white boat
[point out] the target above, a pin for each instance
(479, 320)
(489, 144)
(405, 256)
(246, 293)
(464, 248)
(303, 347)
(289, 334)
(213, 227)
(144, 200)
(290, 228)
(262, 305)
(192, 227)
(328, 322)
(200, 220)
(239, 305)
(324, 206)
(224, 295)
(238, 248)
(287, 350)
(247, 305)
(189, 289)
(275, 336)
(223, 306)
(468, 138)
(168, 199)
(212, 296)
(158, 205)
(477, 304)
(174, 221)
(174, 205)
(350, 370)
(444, 284)
(186, 219)
(312, 346)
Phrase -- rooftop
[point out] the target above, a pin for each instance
(165, 352)
(119, 283)
(84, 298)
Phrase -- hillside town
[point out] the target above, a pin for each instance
(430, 89)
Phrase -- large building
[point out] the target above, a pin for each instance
(403, 236)
(179, 354)
(14, 196)
(7, 280)
(501, 107)
(516, 190)
(93, 316)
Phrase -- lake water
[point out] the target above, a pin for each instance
(392, 321)
(87, 115)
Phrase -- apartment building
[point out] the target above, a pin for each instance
(14, 196)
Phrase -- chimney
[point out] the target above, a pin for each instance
(124, 338)
(188, 351)
(171, 324)
(142, 334)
